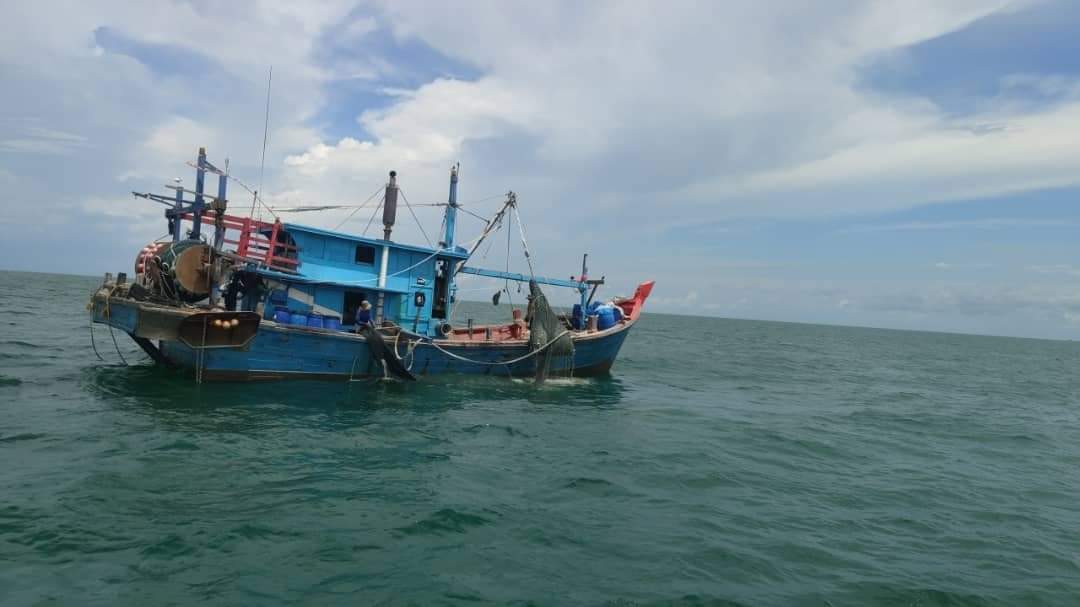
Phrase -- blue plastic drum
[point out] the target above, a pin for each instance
(315, 321)
(281, 315)
(606, 318)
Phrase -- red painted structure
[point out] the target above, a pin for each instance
(262, 242)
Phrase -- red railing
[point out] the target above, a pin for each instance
(262, 242)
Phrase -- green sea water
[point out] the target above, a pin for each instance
(724, 462)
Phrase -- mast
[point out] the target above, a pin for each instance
(219, 205)
(197, 208)
(451, 209)
(175, 227)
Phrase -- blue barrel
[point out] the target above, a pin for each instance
(315, 321)
(281, 315)
(298, 318)
(606, 318)
(331, 322)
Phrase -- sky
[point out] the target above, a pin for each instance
(910, 165)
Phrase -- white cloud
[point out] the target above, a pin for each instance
(989, 223)
(1059, 269)
(33, 139)
(611, 121)
(750, 112)
(177, 136)
(941, 161)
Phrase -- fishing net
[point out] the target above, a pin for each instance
(548, 337)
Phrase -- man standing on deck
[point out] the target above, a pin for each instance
(252, 288)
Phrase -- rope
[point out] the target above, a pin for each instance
(454, 311)
(376, 279)
(352, 371)
(524, 245)
(417, 220)
(501, 362)
(200, 355)
(92, 342)
(506, 283)
(266, 134)
(373, 217)
(255, 198)
(362, 205)
(117, 346)
(107, 313)
(417, 264)
(410, 351)
(484, 199)
(464, 210)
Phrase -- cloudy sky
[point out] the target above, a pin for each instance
(902, 164)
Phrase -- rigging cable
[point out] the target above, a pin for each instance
(256, 198)
(362, 205)
(480, 217)
(417, 220)
(373, 216)
(524, 244)
(266, 133)
(415, 265)
(506, 283)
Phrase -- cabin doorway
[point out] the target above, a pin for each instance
(441, 304)
(352, 302)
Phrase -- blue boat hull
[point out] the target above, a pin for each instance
(292, 352)
(278, 353)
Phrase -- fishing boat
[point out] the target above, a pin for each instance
(229, 297)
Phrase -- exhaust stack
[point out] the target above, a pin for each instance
(389, 213)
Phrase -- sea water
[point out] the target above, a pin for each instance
(724, 462)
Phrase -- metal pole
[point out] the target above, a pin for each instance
(197, 207)
(177, 208)
(389, 215)
(383, 265)
(219, 212)
(451, 209)
(219, 233)
(582, 288)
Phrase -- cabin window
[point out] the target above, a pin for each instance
(365, 254)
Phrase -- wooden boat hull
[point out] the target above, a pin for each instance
(276, 352)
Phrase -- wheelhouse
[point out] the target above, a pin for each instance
(336, 272)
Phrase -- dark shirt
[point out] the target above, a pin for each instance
(363, 317)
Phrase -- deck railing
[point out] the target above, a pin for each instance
(261, 242)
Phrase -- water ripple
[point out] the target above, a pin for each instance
(784, 465)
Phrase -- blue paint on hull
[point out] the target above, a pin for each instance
(278, 352)
(287, 351)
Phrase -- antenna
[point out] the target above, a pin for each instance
(266, 131)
